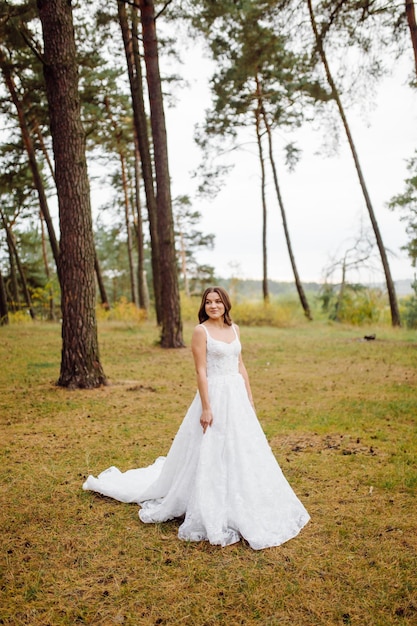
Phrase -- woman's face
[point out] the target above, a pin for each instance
(214, 306)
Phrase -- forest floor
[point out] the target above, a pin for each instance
(340, 414)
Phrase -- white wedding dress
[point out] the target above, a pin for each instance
(226, 484)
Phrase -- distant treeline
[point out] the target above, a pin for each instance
(252, 289)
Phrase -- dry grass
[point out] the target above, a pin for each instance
(340, 414)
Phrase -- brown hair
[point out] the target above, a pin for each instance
(224, 297)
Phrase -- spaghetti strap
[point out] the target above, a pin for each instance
(207, 332)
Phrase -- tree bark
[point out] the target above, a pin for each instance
(80, 363)
(171, 333)
(411, 21)
(395, 313)
(130, 42)
(265, 290)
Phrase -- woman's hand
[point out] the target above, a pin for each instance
(206, 419)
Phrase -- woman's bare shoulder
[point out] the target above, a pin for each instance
(199, 332)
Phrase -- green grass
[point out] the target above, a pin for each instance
(340, 414)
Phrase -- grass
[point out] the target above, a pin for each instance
(340, 414)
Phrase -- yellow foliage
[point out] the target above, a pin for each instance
(122, 311)
(282, 314)
(20, 317)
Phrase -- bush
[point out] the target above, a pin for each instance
(20, 317)
(122, 311)
(280, 314)
(409, 314)
(359, 304)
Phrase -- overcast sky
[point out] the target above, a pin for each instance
(323, 199)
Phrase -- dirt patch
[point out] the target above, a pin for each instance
(313, 442)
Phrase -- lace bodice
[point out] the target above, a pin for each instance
(222, 357)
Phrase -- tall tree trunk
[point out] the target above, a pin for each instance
(80, 363)
(171, 335)
(27, 140)
(14, 285)
(265, 290)
(128, 231)
(125, 191)
(130, 42)
(145, 151)
(101, 287)
(12, 246)
(47, 270)
(4, 312)
(341, 294)
(411, 21)
(395, 313)
(298, 283)
(142, 285)
(43, 147)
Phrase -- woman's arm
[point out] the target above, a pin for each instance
(199, 350)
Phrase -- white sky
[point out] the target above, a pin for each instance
(324, 203)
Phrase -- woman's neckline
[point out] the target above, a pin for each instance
(228, 343)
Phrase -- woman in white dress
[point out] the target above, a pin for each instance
(220, 475)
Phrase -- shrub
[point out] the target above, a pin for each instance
(410, 308)
(359, 304)
(122, 311)
(20, 317)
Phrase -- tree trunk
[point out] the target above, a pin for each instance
(14, 285)
(27, 140)
(142, 285)
(14, 251)
(395, 313)
(411, 21)
(47, 271)
(130, 41)
(80, 363)
(341, 293)
(265, 290)
(128, 231)
(4, 312)
(101, 288)
(43, 147)
(298, 283)
(122, 158)
(171, 335)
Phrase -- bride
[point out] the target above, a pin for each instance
(220, 475)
